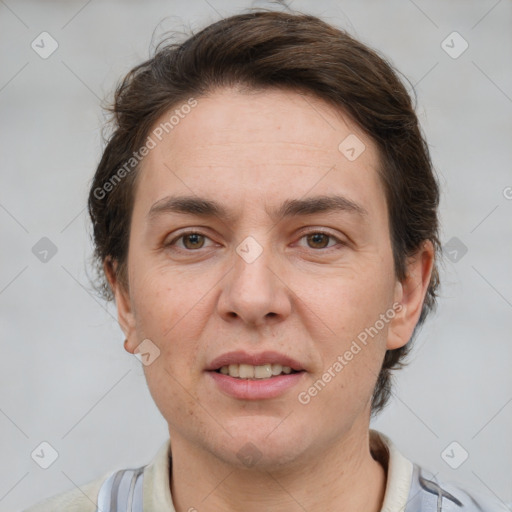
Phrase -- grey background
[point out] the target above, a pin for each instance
(64, 375)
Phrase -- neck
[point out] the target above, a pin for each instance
(342, 478)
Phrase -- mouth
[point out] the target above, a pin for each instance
(259, 372)
(260, 376)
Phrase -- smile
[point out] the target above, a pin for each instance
(249, 371)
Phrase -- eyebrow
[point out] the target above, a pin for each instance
(207, 208)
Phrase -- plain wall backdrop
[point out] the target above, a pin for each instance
(64, 376)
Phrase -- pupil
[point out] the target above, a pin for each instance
(194, 238)
(316, 237)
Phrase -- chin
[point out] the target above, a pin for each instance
(264, 443)
(250, 455)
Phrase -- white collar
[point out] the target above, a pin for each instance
(157, 492)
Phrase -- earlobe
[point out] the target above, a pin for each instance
(412, 291)
(127, 346)
(125, 315)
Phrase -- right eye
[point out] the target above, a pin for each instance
(191, 241)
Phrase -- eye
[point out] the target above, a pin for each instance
(320, 240)
(192, 240)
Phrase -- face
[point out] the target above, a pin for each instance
(256, 241)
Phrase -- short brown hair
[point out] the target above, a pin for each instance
(263, 49)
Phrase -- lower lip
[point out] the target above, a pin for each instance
(255, 389)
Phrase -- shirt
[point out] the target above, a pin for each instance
(409, 488)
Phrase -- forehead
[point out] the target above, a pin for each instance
(248, 145)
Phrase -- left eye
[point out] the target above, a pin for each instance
(319, 239)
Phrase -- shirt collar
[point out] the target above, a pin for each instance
(157, 492)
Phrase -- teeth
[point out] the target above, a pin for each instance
(263, 372)
(248, 371)
(276, 369)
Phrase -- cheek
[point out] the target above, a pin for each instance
(354, 301)
(352, 306)
(175, 395)
(167, 312)
(159, 296)
(173, 309)
(351, 356)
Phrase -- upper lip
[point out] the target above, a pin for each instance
(260, 358)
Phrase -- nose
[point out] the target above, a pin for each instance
(255, 292)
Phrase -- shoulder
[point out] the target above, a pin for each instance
(80, 499)
(428, 494)
(143, 485)
(412, 488)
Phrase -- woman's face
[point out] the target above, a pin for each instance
(243, 284)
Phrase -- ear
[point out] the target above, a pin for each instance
(410, 294)
(125, 314)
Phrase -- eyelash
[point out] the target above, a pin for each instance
(309, 233)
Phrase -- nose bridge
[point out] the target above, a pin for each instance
(253, 292)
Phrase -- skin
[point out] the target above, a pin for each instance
(196, 298)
